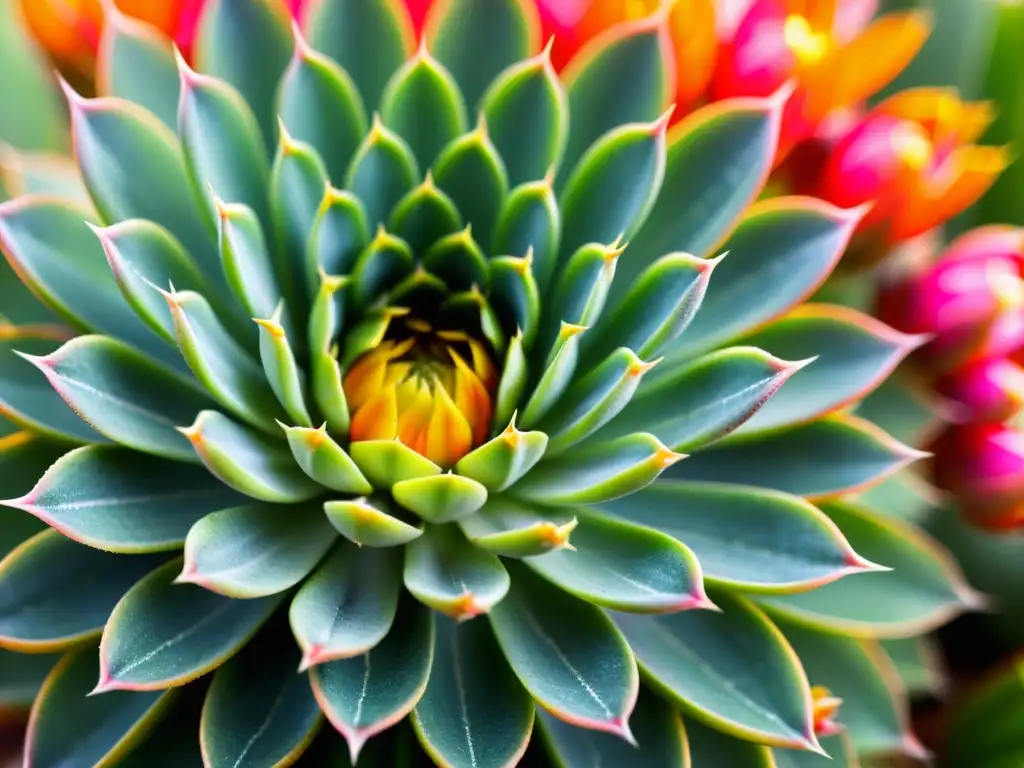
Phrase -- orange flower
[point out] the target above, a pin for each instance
(915, 157)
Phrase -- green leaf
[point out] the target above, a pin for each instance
(511, 384)
(21, 677)
(224, 151)
(478, 40)
(446, 572)
(297, 182)
(57, 593)
(474, 711)
(659, 306)
(531, 222)
(600, 473)
(789, 243)
(715, 394)
(123, 501)
(20, 302)
(25, 173)
(66, 728)
(382, 172)
(368, 694)
(527, 114)
(327, 316)
(823, 458)
(370, 39)
(717, 162)
(567, 654)
(248, 461)
(144, 256)
(123, 395)
(320, 105)
(339, 235)
(658, 730)
(556, 375)
(348, 605)
(623, 566)
(919, 663)
(510, 528)
(23, 459)
(171, 743)
(247, 43)
(38, 237)
(983, 729)
(580, 293)
(134, 169)
(328, 392)
(838, 752)
(387, 462)
(470, 171)
(226, 370)
(248, 265)
(136, 63)
(255, 550)
(281, 368)
(371, 523)
(258, 711)
(423, 105)
(603, 79)
(440, 498)
(709, 746)
(458, 260)
(27, 399)
(424, 216)
(854, 354)
(901, 409)
(164, 635)
(731, 670)
(594, 400)
(499, 463)
(320, 457)
(924, 590)
(613, 188)
(748, 539)
(857, 671)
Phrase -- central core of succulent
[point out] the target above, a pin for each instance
(430, 388)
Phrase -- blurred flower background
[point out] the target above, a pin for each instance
(914, 110)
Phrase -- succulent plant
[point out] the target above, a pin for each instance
(441, 478)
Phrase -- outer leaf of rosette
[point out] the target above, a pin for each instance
(614, 187)
(136, 62)
(382, 172)
(281, 368)
(224, 368)
(594, 400)
(530, 219)
(39, 173)
(297, 183)
(248, 461)
(340, 232)
(509, 527)
(440, 498)
(600, 473)
(556, 375)
(247, 260)
(476, 41)
(924, 589)
(387, 462)
(791, 243)
(422, 104)
(658, 307)
(370, 40)
(602, 77)
(445, 571)
(581, 290)
(472, 174)
(711, 397)
(371, 522)
(133, 166)
(247, 43)
(515, 295)
(326, 462)
(528, 117)
(320, 105)
(718, 160)
(222, 145)
(424, 216)
(142, 255)
(502, 461)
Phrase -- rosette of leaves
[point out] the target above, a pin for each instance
(507, 448)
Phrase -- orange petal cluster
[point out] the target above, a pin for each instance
(423, 392)
(824, 709)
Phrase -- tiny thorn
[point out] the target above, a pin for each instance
(661, 124)
(620, 728)
(914, 748)
(310, 658)
(105, 684)
(545, 54)
(698, 600)
(188, 574)
(853, 560)
(781, 96)
(75, 99)
(356, 741)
